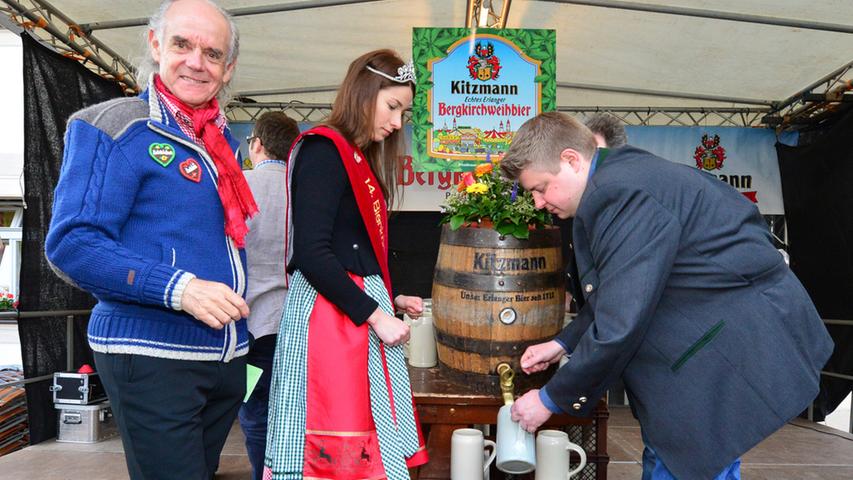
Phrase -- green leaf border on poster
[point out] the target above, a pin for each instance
(431, 43)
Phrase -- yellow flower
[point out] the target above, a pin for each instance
(477, 188)
(483, 169)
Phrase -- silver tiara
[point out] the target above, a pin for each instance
(405, 74)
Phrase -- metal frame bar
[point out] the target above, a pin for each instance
(711, 14)
(578, 86)
(495, 17)
(801, 107)
(234, 12)
(73, 42)
(287, 91)
(685, 117)
(843, 323)
(305, 112)
(688, 117)
(665, 93)
(69, 335)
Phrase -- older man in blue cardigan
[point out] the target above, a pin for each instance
(149, 217)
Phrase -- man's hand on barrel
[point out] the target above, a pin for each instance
(411, 306)
(529, 411)
(538, 357)
(390, 330)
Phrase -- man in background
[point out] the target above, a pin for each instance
(269, 145)
(609, 131)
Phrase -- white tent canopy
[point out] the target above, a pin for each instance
(606, 57)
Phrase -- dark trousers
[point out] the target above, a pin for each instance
(173, 415)
(253, 413)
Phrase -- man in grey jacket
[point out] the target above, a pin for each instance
(687, 301)
(270, 143)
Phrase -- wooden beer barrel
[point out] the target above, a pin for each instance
(492, 297)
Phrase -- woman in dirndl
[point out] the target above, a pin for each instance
(340, 401)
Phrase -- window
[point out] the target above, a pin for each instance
(11, 223)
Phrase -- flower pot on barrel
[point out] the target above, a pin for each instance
(493, 296)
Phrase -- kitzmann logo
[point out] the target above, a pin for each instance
(489, 262)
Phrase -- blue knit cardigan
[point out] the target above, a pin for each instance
(132, 224)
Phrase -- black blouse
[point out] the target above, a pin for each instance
(329, 236)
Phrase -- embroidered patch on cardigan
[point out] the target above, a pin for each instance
(191, 170)
(162, 153)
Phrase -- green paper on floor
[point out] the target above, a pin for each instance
(253, 374)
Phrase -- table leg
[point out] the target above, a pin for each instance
(438, 446)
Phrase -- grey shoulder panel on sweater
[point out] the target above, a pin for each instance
(113, 116)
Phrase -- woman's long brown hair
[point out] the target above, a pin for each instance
(352, 115)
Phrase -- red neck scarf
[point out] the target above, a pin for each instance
(234, 193)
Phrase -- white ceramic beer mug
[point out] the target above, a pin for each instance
(516, 446)
(422, 350)
(553, 452)
(468, 457)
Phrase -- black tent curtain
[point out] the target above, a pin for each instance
(817, 190)
(54, 88)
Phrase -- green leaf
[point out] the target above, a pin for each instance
(521, 231)
(506, 229)
(444, 43)
(456, 221)
(435, 52)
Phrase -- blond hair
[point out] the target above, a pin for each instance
(540, 141)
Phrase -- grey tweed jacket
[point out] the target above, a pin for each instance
(266, 289)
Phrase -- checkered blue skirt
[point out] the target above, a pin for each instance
(288, 404)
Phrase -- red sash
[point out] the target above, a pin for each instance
(368, 195)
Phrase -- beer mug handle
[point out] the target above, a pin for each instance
(582, 453)
(488, 443)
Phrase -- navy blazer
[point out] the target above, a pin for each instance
(716, 340)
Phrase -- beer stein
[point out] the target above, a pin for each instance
(553, 452)
(516, 447)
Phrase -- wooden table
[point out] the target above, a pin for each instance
(444, 406)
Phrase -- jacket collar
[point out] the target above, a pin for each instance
(158, 114)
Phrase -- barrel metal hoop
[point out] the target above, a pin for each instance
(499, 283)
(489, 238)
(486, 347)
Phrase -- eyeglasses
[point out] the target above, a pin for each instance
(250, 138)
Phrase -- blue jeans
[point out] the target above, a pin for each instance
(654, 469)
(253, 413)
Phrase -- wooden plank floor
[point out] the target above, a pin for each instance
(799, 451)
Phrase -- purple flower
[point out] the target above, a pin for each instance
(514, 192)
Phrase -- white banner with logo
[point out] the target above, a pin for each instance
(745, 158)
